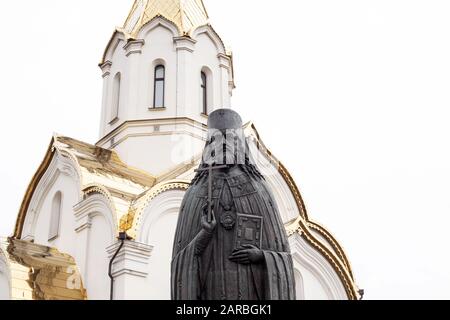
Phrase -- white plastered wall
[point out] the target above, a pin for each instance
(87, 226)
(157, 229)
(184, 59)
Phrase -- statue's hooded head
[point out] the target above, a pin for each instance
(224, 119)
(226, 143)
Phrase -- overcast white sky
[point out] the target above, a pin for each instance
(353, 96)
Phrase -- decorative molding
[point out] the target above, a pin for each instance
(150, 122)
(67, 168)
(333, 243)
(156, 22)
(345, 277)
(97, 188)
(46, 183)
(299, 284)
(158, 109)
(61, 163)
(306, 256)
(281, 168)
(132, 259)
(181, 126)
(134, 47)
(212, 34)
(106, 68)
(70, 160)
(283, 195)
(156, 133)
(24, 207)
(231, 87)
(93, 205)
(148, 209)
(293, 230)
(114, 121)
(184, 44)
(113, 42)
(224, 61)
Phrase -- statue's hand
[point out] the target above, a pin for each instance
(209, 227)
(204, 237)
(248, 255)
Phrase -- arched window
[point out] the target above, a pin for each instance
(116, 97)
(204, 94)
(55, 217)
(159, 86)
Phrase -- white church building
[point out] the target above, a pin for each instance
(163, 73)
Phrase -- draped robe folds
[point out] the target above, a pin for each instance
(211, 275)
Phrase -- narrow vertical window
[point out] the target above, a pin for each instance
(160, 78)
(55, 217)
(116, 98)
(204, 94)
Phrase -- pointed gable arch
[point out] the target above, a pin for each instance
(209, 31)
(117, 37)
(158, 21)
(95, 203)
(31, 187)
(141, 205)
(56, 162)
(312, 265)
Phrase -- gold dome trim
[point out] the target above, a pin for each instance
(333, 243)
(141, 204)
(30, 190)
(41, 273)
(186, 15)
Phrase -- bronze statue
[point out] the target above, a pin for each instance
(230, 242)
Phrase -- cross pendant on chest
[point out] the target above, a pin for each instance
(210, 170)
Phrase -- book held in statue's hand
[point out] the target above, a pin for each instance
(248, 231)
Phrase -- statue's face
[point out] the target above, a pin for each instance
(225, 147)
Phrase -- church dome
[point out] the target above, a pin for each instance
(185, 14)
